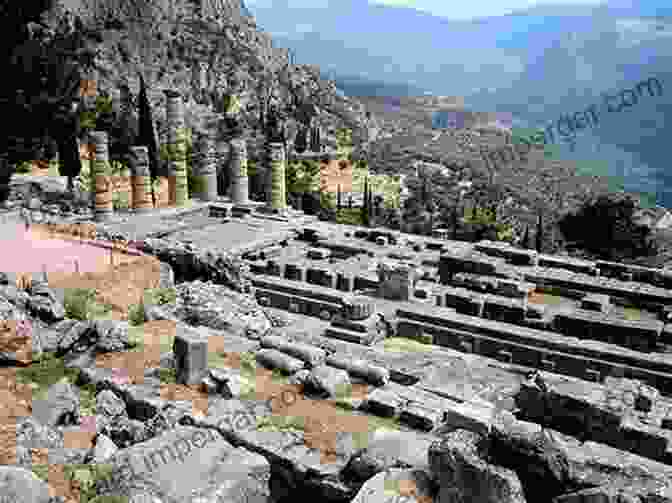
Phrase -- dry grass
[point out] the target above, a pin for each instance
(121, 286)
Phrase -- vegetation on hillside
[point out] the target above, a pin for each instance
(606, 227)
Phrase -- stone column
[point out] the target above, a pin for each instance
(278, 190)
(205, 170)
(141, 180)
(100, 172)
(240, 182)
(176, 149)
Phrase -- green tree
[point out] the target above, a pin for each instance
(606, 226)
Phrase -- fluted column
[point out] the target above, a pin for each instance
(176, 149)
(278, 189)
(240, 181)
(205, 170)
(103, 208)
(141, 180)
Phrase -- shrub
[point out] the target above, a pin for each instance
(136, 314)
(86, 477)
(23, 167)
(161, 296)
(80, 304)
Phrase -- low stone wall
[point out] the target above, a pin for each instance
(599, 413)
(638, 294)
(297, 304)
(589, 360)
(639, 335)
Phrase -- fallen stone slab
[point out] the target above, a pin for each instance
(179, 462)
(311, 355)
(274, 359)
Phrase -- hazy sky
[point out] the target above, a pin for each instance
(452, 9)
(478, 8)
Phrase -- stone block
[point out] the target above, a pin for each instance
(596, 302)
(191, 356)
(504, 309)
(319, 253)
(383, 402)
(420, 417)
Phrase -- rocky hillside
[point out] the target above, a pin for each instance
(196, 48)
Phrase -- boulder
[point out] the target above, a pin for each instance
(166, 276)
(20, 484)
(458, 467)
(414, 486)
(105, 448)
(389, 449)
(45, 304)
(61, 407)
(112, 335)
(533, 454)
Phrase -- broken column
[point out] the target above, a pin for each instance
(103, 208)
(205, 170)
(177, 149)
(240, 182)
(277, 188)
(141, 180)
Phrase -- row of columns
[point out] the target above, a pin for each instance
(205, 168)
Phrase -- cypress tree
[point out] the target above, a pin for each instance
(526, 238)
(146, 136)
(454, 222)
(539, 236)
(370, 206)
(365, 210)
(301, 142)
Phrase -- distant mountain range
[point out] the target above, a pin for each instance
(535, 64)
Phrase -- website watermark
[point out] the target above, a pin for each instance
(569, 124)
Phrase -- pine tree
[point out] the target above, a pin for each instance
(146, 136)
